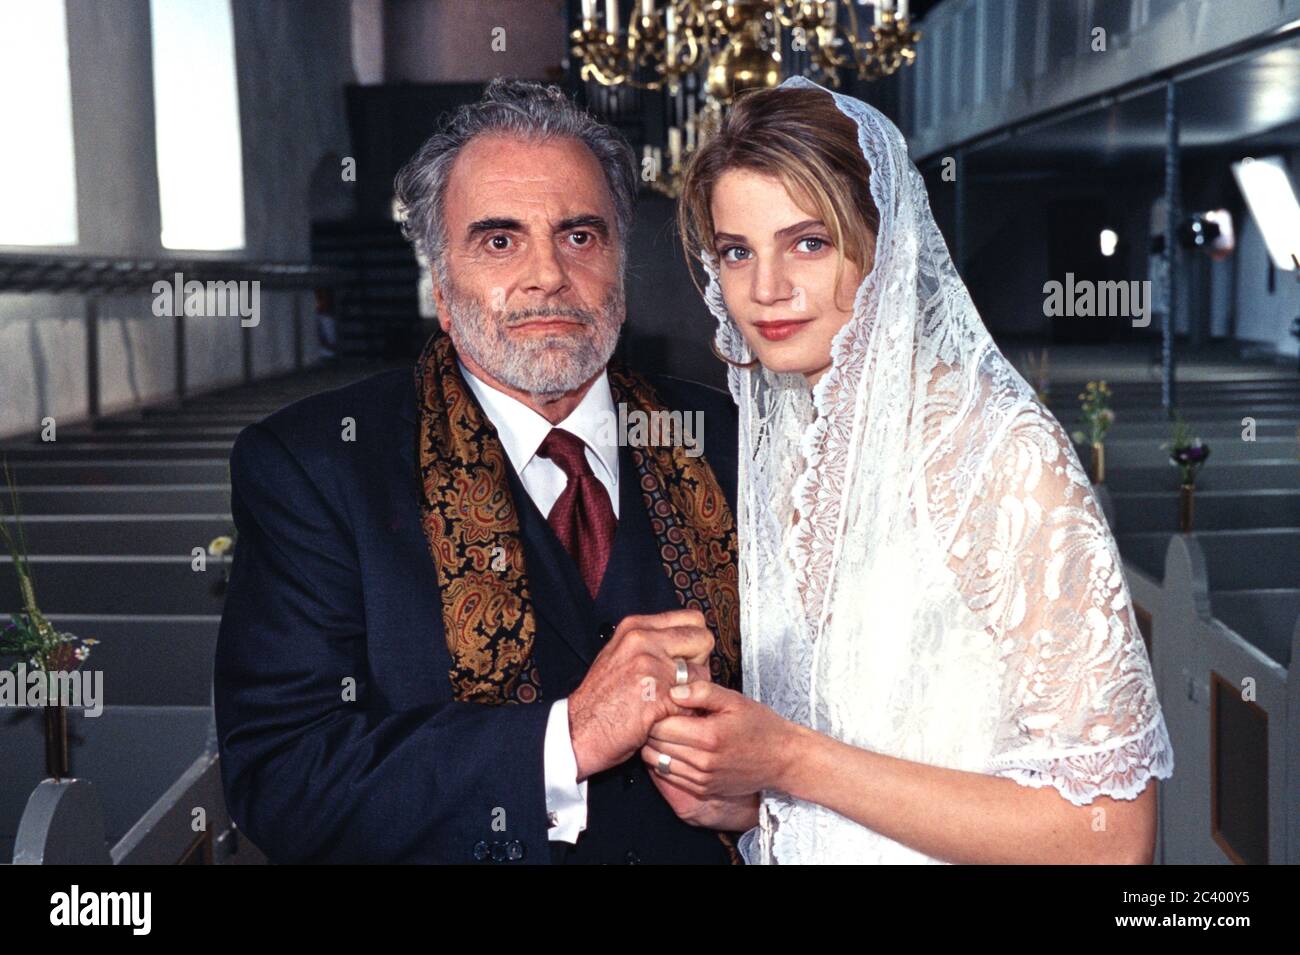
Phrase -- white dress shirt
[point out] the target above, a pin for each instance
(522, 430)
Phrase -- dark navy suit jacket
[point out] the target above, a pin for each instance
(339, 737)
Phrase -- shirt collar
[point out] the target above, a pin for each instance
(522, 430)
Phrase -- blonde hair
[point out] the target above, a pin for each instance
(800, 137)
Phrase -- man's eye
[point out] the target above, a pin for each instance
(499, 243)
(580, 238)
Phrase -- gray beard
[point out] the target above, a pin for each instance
(546, 366)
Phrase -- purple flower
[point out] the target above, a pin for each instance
(1192, 454)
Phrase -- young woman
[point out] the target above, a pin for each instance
(941, 659)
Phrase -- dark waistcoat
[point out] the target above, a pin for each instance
(627, 820)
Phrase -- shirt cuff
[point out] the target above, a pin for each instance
(566, 798)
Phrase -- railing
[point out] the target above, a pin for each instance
(95, 276)
(101, 275)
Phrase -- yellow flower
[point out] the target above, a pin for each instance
(220, 545)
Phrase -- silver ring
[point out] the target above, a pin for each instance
(664, 765)
(683, 673)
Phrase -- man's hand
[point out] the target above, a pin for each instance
(626, 690)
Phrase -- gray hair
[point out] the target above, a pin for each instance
(527, 110)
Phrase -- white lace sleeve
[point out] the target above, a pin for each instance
(1037, 562)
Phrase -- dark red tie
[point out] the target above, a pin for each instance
(582, 517)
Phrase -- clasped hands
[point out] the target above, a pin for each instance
(722, 747)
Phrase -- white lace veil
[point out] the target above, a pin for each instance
(950, 592)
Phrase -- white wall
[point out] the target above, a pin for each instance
(293, 60)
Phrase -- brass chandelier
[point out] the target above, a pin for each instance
(717, 49)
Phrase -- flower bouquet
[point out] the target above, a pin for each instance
(30, 641)
(1097, 420)
(223, 549)
(1188, 454)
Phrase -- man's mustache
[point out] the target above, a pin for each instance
(522, 317)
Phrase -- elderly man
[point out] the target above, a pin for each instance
(459, 600)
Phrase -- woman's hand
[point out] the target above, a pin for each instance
(736, 814)
(730, 747)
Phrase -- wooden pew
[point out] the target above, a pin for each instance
(150, 660)
(1221, 476)
(1239, 559)
(1138, 511)
(213, 498)
(94, 452)
(91, 470)
(1225, 695)
(143, 776)
(115, 584)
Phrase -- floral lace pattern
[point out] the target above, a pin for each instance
(925, 571)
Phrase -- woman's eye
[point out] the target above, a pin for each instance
(818, 244)
(739, 251)
(499, 243)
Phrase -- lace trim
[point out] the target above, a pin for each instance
(824, 453)
(817, 493)
(1119, 769)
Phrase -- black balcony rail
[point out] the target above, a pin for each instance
(97, 276)
(101, 275)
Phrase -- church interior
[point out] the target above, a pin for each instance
(1116, 181)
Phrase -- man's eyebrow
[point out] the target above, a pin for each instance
(587, 220)
(493, 225)
(505, 224)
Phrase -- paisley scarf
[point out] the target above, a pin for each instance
(472, 527)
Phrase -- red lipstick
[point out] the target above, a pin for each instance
(779, 331)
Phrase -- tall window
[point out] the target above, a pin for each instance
(196, 116)
(38, 181)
